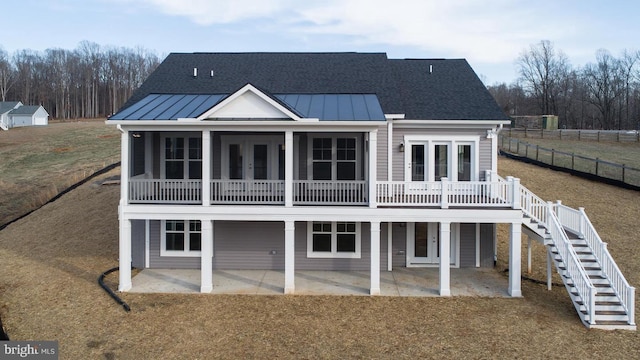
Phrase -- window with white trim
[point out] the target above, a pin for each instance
(181, 238)
(333, 239)
(334, 158)
(182, 157)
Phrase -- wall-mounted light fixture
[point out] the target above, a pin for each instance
(401, 147)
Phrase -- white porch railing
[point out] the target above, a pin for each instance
(577, 221)
(444, 193)
(247, 191)
(315, 192)
(169, 191)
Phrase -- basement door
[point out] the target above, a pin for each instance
(423, 244)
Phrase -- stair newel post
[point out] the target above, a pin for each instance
(515, 186)
(592, 305)
(548, 214)
(631, 293)
(582, 222)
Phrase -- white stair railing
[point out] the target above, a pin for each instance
(577, 221)
(533, 206)
(573, 266)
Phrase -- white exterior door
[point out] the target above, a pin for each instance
(423, 244)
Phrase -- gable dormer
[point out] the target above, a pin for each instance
(249, 103)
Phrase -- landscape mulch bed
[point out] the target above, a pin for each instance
(51, 259)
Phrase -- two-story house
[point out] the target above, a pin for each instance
(338, 161)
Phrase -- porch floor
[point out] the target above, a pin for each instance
(399, 282)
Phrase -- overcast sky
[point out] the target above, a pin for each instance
(490, 34)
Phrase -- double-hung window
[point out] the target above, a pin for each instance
(181, 238)
(334, 158)
(182, 157)
(333, 240)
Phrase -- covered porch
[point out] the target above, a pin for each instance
(399, 282)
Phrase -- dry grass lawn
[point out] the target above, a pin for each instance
(50, 260)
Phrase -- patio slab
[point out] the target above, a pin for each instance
(399, 282)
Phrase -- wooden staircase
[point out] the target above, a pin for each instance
(602, 297)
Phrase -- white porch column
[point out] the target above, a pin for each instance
(125, 255)
(528, 254)
(124, 167)
(389, 246)
(206, 167)
(206, 257)
(289, 257)
(445, 259)
(373, 168)
(515, 246)
(375, 258)
(288, 168)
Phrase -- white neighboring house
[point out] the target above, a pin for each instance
(337, 162)
(15, 114)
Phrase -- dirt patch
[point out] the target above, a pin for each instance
(49, 263)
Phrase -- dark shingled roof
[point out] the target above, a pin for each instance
(425, 89)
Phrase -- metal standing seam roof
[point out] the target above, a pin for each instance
(168, 107)
(336, 107)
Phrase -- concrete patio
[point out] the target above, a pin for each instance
(399, 282)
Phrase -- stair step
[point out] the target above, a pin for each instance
(606, 298)
(610, 308)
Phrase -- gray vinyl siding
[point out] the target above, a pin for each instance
(166, 262)
(399, 245)
(361, 264)
(487, 238)
(397, 160)
(248, 245)
(467, 245)
(485, 156)
(137, 243)
(382, 156)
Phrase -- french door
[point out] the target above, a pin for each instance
(435, 159)
(430, 161)
(252, 158)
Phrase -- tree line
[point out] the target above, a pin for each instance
(604, 94)
(87, 82)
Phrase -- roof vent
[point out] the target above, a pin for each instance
(195, 72)
(211, 73)
(430, 69)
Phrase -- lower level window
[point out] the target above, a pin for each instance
(181, 238)
(333, 240)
